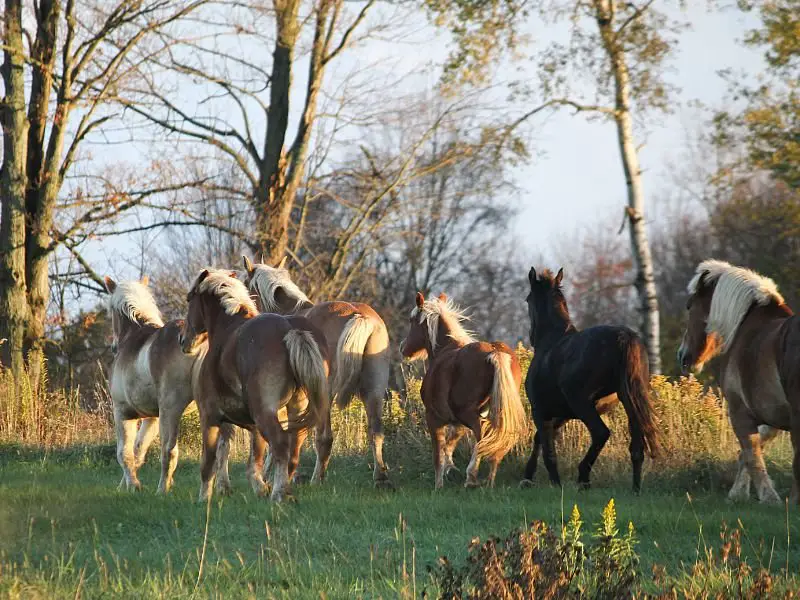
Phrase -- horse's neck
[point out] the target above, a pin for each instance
(131, 329)
(222, 323)
(553, 334)
(445, 339)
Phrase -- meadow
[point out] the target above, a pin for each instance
(65, 530)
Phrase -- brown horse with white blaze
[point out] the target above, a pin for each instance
(151, 382)
(256, 366)
(357, 342)
(740, 315)
(468, 384)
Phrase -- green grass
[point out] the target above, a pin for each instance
(65, 531)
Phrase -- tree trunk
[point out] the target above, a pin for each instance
(43, 180)
(640, 246)
(13, 304)
(273, 207)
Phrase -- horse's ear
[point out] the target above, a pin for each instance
(443, 297)
(559, 276)
(203, 274)
(248, 265)
(282, 264)
(111, 285)
(532, 276)
(145, 280)
(420, 299)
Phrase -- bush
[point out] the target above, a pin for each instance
(537, 562)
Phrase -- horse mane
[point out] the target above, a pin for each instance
(133, 300)
(232, 293)
(434, 310)
(266, 281)
(736, 290)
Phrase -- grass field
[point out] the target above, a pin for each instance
(65, 531)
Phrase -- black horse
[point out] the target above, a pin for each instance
(580, 375)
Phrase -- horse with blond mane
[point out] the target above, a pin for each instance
(151, 381)
(256, 366)
(357, 341)
(740, 315)
(468, 385)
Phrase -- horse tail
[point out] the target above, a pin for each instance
(506, 414)
(349, 357)
(634, 394)
(310, 371)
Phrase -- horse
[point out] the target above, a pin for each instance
(357, 341)
(256, 366)
(581, 375)
(739, 315)
(468, 385)
(151, 381)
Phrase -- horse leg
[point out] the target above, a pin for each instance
(437, 431)
(223, 478)
(145, 437)
(533, 461)
(279, 447)
(794, 432)
(373, 403)
(208, 459)
(475, 460)
(741, 485)
(549, 450)
(126, 433)
(255, 464)
(746, 431)
(168, 432)
(323, 442)
(455, 433)
(297, 439)
(494, 462)
(636, 449)
(600, 434)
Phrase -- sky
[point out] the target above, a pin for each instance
(573, 182)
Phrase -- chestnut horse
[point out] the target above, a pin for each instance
(468, 384)
(580, 375)
(151, 381)
(256, 365)
(357, 341)
(740, 315)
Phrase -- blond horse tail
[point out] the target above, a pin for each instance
(310, 371)
(349, 357)
(506, 414)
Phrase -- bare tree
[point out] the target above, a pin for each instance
(58, 81)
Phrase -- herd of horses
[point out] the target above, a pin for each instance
(253, 351)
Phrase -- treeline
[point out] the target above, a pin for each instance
(155, 137)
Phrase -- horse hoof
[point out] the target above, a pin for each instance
(525, 484)
(472, 485)
(584, 486)
(298, 479)
(384, 484)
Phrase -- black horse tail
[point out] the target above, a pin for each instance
(634, 393)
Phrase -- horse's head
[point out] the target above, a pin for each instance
(545, 299)
(698, 345)
(195, 328)
(274, 288)
(417, 343)
(130, 304)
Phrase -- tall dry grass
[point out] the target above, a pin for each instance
(693, 420)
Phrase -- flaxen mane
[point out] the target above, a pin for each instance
(133, 300)
(450, 313)
(266, 281)
(737, 289)
(232, 293)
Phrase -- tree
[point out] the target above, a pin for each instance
(243, 112)
(58, 81)
(767, 127)
(620, 48)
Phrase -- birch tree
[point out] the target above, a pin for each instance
(63, 63)
(612, 68)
